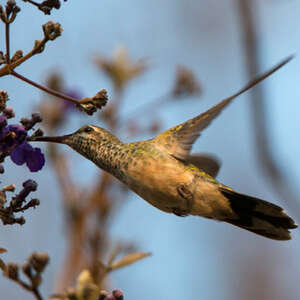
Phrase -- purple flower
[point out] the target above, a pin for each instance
(25, 153)
(19, 130)
(13, 142)
(12, 136)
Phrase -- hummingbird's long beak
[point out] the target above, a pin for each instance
(51, 139)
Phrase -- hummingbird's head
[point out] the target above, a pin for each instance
(82, 140)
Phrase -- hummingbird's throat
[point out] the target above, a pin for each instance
(104, 154)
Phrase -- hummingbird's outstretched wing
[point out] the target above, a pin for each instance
(205, 162)
(179, 139)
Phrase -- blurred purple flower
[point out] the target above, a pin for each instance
(118, 294)
(73, 93)
(25, 153)
(115, 295)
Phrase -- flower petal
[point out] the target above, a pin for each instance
(35, 160)
(18, 155)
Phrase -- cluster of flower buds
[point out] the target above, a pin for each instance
(17, 203)
(115, 295)
(9, 14)
(52, 30)
(13, 139)
(32, 269)
(91, 105)
(36, 264)
(46, 6)
(87, 289)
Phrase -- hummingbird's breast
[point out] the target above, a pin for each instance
(154, 175)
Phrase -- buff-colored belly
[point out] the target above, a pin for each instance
(158, 182)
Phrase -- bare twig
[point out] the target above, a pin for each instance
(33, 3)
(30, 289)
(45, 6)
(7, 35)
(51, 32)
(43, 88)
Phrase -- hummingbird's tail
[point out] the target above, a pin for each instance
(259, 216)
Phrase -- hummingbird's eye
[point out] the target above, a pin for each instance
(88, 129)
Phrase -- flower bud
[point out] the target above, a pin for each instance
(21, 221)
(17, 56)
(118, 294)
(26, 268)
(9, 112)
(12, 271)
(3, 94)
(39, 261)
(3, 122)
(52, 30)
(102, 295)
(30, 185)
(36, 117)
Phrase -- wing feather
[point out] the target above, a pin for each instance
(179, 139)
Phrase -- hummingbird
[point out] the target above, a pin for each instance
(162, 171)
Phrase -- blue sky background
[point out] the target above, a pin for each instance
(192, 257)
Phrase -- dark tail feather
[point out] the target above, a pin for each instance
(259, 216)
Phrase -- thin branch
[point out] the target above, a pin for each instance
(7, 42)
(24, 285)
(265, 155)
(7, 69)
(37, 294)
(33, 3)
(29, 288)
(51, 32)
(45, 89)
(45, 6)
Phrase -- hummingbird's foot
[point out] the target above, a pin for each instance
(186, 194)
(179, 212)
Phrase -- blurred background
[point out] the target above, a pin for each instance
(192, 257)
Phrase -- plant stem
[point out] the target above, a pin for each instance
(43, 88)
(28, 288)
(7, 42)
(34, 3)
